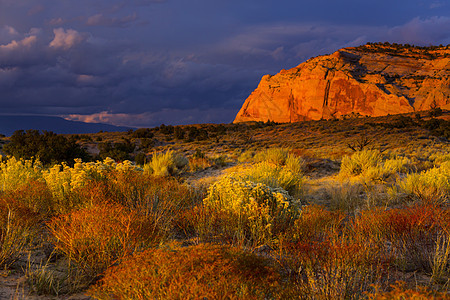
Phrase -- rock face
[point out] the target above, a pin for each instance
(370, 80)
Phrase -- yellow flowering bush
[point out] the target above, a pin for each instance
(64, 181)
(257, 209)
(14, 173)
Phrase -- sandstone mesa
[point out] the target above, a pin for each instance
(370, 80)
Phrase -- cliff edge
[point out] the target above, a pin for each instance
(370, 80)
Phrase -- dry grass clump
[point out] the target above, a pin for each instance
(316, 223)
(399, 291)
(432, 185)
(346, 196)
(328, 256)
(359, 162)
(197, 272)
(274, 176)
(17, 230)
(334, 269)
(95, 238)
(325, 261)
(165, 164)
(407, 234)
(371, 166)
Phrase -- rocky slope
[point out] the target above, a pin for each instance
(370, 80)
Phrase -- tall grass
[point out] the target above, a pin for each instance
(165, 164)
(95, 238)
(359, 162)
(17, 232)
(440, 261)
(370, 166)
(429, 186)
(408, 234)
(274, 176)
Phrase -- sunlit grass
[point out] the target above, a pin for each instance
(384, 217)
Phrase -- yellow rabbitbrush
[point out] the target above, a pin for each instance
(259, 210)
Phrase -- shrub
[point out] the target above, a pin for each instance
(316, 224)
(198, 164)
(142, 133)
(369, 165)
(179, 133)
(429, 186)
(246, 156)
(165, 164)
(258, 209)
(66, 183)
(33, 195)
(95, 238)
(440, 262)
(117, 151)
(15, 173)
(140, 158)
(196, 272)
(325, 261)
(346, 196)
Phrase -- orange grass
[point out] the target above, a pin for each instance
(94, 238)
(401, 292)
(204, 271)
(17, 230)
(316, 223)
(409, 234)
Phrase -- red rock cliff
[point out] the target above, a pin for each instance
(372, 80)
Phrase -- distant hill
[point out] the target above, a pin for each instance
(371, 80)
(9, 124)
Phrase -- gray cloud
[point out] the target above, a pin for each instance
(102, 20)
(99, 63)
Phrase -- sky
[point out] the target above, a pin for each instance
(143, 63)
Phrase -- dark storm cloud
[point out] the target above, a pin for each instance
(143, 63)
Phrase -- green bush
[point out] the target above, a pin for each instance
(140, 133)
(117, 151)
(48, 147)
